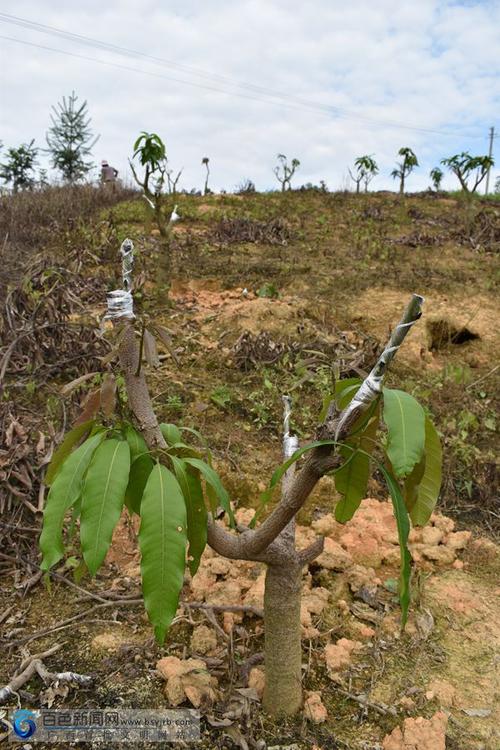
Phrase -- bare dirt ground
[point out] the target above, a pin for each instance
(272, 294)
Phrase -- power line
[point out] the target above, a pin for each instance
(287, 99)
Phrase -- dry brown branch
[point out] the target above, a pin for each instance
(34, 665)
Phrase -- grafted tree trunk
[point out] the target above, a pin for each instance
(283, 651)
(273, 542)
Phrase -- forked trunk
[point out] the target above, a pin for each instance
(283, 650)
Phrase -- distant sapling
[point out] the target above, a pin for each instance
(285, 171)
(405, 167)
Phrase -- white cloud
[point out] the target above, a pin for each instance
(430, 64)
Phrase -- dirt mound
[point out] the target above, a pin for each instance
(379, 309)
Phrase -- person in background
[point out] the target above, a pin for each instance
(108, 173)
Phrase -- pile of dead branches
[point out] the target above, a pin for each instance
(45, 326)
(484, 231)
(352, 354)
(273, 232)
(418, 239)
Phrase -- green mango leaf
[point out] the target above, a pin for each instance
(350, 385)
(183, 450)
(102, 500)
(213, 479)
(162, 541)
(64, 493)
(405, 421)
(171, 433)
(345, 391)
(190, 484)
(411, 483)
(430, 483)
(63, 451)
(351, 479)
(403, 526)
(136, 442)
(140, 469)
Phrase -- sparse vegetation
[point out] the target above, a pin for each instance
(217, 321)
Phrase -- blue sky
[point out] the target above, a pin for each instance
(365, 77)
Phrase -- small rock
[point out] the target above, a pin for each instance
(364, 631)
(359, 576)
(407, 703)
(443, 522)
(228, 621)
(218, 566)
(314, 709)
(443, 691)
(203, 640)
(187, 679)
(486, 548)
(107, 642)
(440, 554)
(255, 594)
(325, 525)
(243, 516)
(419, 734)
(338, 655)
(458, 540)
(313, 602)
(334, 557)
(431, 535)
(257, 681)
(458, 564)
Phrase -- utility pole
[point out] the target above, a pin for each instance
(490, 154)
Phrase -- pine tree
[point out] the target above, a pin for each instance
(19, 167)
(70, 138)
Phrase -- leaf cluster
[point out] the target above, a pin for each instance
(467, 167)
(98, 470)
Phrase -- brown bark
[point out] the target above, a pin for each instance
(283, 652)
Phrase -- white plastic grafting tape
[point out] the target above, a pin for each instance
(120, 305)
(371, 386)
(290, 442)
(120, 302)
(174, 216)
(127, 253)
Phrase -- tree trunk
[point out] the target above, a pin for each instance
(283, 650)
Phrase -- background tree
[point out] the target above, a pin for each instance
(497, 186)
(18, 169)
(70, 139)
(436, 176)
(205, 161)
(150, 151)
(469, 168)
(405, 167)
(366, 169)
(284, 171)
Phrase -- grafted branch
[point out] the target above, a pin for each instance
(264, 543)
